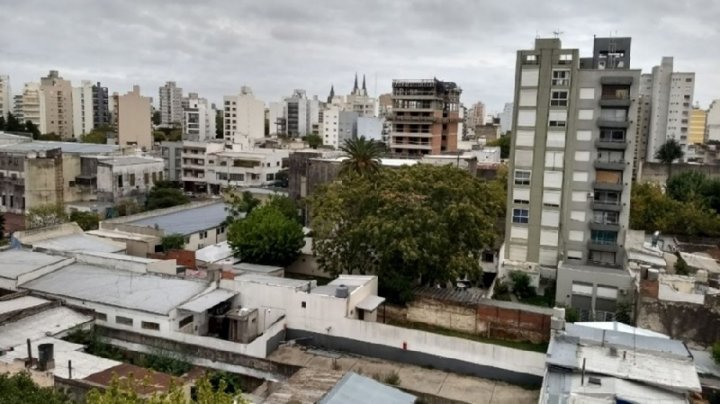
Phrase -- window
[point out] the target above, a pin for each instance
(554, 159)
(587, 93)
(531, 58)
(518, 252)
(552, 179)
(549, 237)
(580, 176)
(566, 58)
(614, 115)
(601, 257)
(523, 158)
(608, 177)
(559, 99)
(303, 305)
(528, 97)
(557, 119)
(577, 215)
(550, 218)
(526, 117)
(607, 197)
(119, 181)
(604, 237)
(576, 235)
(154, 177)
(100, 316)
(551, 198)
(160, 176)
(521, 196)
(488, 256)
(148, 325)
(582, 156)
(585, 114)
(529, 77)
(203, 234)
(561, 77)
(612, 135)
(124, 320)
(520, 216)
(519, 232)
(603, 217)
(522, 177)
(584, 135)
(187, 320)
(270, 177)
(132, 180)
(556, 139)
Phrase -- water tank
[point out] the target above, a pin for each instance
(46, 360)
(342, 291)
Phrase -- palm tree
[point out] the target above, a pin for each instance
(669, 152)
(363, 156)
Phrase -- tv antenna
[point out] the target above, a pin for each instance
(557, 33)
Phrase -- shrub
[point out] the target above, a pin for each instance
(521, 285)
(716, 352)
(392, 378)
(571, 315)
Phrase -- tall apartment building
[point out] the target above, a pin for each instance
(5, 96)
(198, 119)
(571, 166)
(101, 106)
(506, 118)
(698, 122)
(33, 106)
(17, 109)
(667, 99)
(476, 115)
(82, 99)
(244, 119)
(171, 111)
(134, 120)
(713, 122)
(425, 117)
(338, 126)
(57, 95)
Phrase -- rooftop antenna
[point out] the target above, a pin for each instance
(557, 33)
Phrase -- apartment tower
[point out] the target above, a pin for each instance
(57, 95)
(134, 120)
(425, 117)
(83, 121)
(101, 106)
(5, 96)
(171, 111)
(244, 119)
(198, 119)
(571, 167)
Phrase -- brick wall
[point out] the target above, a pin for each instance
(183, 257)
(489, 318)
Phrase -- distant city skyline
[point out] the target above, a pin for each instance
(275, 46)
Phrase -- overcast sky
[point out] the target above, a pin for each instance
(215, 47)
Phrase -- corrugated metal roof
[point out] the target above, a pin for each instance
(356, 389)
(187, 221)
(207, 301)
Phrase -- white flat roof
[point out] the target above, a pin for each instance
(214, 252)
(273, 281)
(20, 303)
(370, 303)
(44, 323)
(19, 262)
(131, 290)
(80, 242)
(700, 262)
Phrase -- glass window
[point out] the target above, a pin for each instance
(522, 177)
(559, 98)
(604, 237)
(561, 77)
(521, 215)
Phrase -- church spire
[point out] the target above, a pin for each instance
(332, 93)
(355, 87)
(364, 89)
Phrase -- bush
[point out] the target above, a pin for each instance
(163, 197)
(501, 288)
(521, 285)
(681, 267)
(392, 378)
(174, 241)
(716, 352)
(571, 315)
(86, 220)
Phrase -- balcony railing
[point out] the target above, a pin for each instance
(604, 226)
(616, 165)
(612, 206)
(608, 186)
(612, 123)
(612, 144)
(603, 245)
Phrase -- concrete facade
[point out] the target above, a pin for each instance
(425, 117)
(171, 153)
(370, 127)
(57, 95)
(6, 99)
(506, 118)
(33, 106)
(338, 126)
(127, 177)
(570, 165)
(101, 106)
(134, 120)
(244, 119)
(194, 164)
(713, 122)
(83, 104)
(670, 98)
(171, 110)
(254, 168)
(198, 122)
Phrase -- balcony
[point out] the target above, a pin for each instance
(426, 135)
(608, 186)
(617, 80)
(611, 123)
(413, 118)
(605, 143)
(603, 245)
(605, 226)
(609, 165)
(611, 101)
(612, 206)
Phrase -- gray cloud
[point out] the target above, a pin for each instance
(215, 47)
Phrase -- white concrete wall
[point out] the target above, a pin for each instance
(244, 119)
(82, 101)
(107, 178)
(213, 237)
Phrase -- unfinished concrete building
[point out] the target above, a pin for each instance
(425, 117)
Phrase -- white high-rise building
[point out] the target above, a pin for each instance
(5, 96)
(198, 119)
(244, 119)
(33, 106)
(82, 100)
(670, 97)
(506, 118)
(171, 111)
(713, 122)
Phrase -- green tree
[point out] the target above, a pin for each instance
(156, 118)
(239, 206)
(159, 136)
(669, 152)
(521, 285)
(504, 143)
(12, 124)
(31, 128)
(681, 267)
(2, 122)
(86, 220)
(45, 215)
(571, 315)
(716, 352)
(363, 157)
(20, 388)
(314, 140)
(163, 197)
(623, 312)
(98, 135)
(282, 178)
(49, 137)
(173, 241)
(128, 207)
(414, 224)
(686, 186)
(286, 206)
(266, 236)
(2, 225)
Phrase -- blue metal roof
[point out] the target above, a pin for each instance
(187, 221)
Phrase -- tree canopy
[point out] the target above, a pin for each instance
(86, 220)
(504, 143)
(314, 140)
(173, 241)
(45, 215)
(21, 389)
(239, 205)
(162, 196)
(363, 157)
(266, 236)
(414, 224)
(669, 152)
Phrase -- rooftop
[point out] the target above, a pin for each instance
(19, 262)
(186, 221)
(257, 268)
(700, 262)
(80, 242)
(66, 147)
(275, 281)
(356, 389)
(45, 323)
(208, 300)
(131, 290)
(21, 303)
(120, 161)
(214, 252)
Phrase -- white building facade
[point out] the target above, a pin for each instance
(171, 111)
(713, 122)
(253, 168)
(82, 100)
(198, 119)
(5, 96)
(244, 119)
